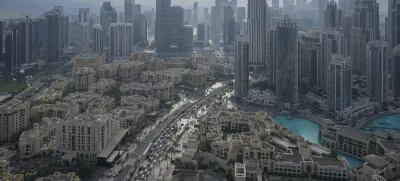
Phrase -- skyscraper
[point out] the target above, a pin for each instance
(162, 25)
(137, 10)
(393, 25)
(332, 42)
(108, 15)
(321, 9)
(140, 30)
(80, 36)
(257, 31)
(229, 25)
(377, 71)
(285, 62)
(195, 13)
(150, 19)
(275, 3)
(121, 17)
(233, 5)
(214, 20)
(396, 72)
(206, 16)
(186, 42)
(310, 58)
(187, 16)
(11, 50)
(97, 39)
(52, 36)
(333, 15)
(339, 83)
(2, 29)
(25, 40)
(241, 67)
(120, 39)
(38, 38)
(129, 10)
(201, 32)
(365, 28)
(84, 15)
(240, 14)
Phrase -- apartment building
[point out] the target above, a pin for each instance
(14, 117)
(83, 77)
(164, 91)
(102, 85)
(134, 102)
(62, 110)
(89, 59)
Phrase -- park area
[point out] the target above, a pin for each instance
(8, 84)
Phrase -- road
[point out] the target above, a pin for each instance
(170, 118)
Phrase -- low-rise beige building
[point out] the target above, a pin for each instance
(14, 117)
(58, 176)
(88, 100)
(107, 71)
(47, 96)
(39, 140)
(131, 70)
(196, 78)
(135, 102)
(102, 86)
(86, 135)
(83, 77)
(62, 110)
(88, 59)
(164, 91)
(132, 88)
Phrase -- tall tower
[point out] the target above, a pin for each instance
(393, 26)
(129, 10)
(257, 31)
(321, 9)
(285, 62)
(162, 25)
(310, 58)
(84, 15)
(275, 3)
(333, 15)
(377, 71)
(140, 30)
(240, 14)
(52, 36)
(332, 42)
(97, 39)
(241, 67)
(365, 27)
(229, 25)
(11, 50)
(339, 83)
(195, 14)
(25, 40)
(396, 72)
(120, 39)
(108, 15)
(2, 29)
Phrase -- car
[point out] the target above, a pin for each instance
(124, 165)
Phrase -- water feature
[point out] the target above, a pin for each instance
(389, 123)
(309, 130)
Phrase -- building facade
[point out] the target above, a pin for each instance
(242, 67)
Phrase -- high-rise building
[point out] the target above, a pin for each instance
(2, 30)
(187, 16)
(80, 36)
(214, 20)
(175, 35)
(25, 40)
(396, 72)
(121, 17)
(377, 71)
(393, 26)
(207, 16)
(275, 3)
(347, 27)
(84, 15)
(97, 39)
(233, 5)
(140, 30)
(11, 50)
(137, 10)
(108, 15)
(229, 25)
(321, 9)
(241, 67)
(347, 6)
(257, 31)
(186, 41)
(195, 13)
(202, 32)
(365, 28)
(162, 25)
(52, 36)
(285, 62)
(38, 38)
(333, 15)
(150, 19)
(339, 83)
(120, 40)
(310, 58)
(64, 27)
(129, 10)
(240, 14)
(332, 42)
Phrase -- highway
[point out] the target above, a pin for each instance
(155, 133)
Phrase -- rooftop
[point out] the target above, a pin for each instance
(324, 161)
(354, 133)
(377, 162)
